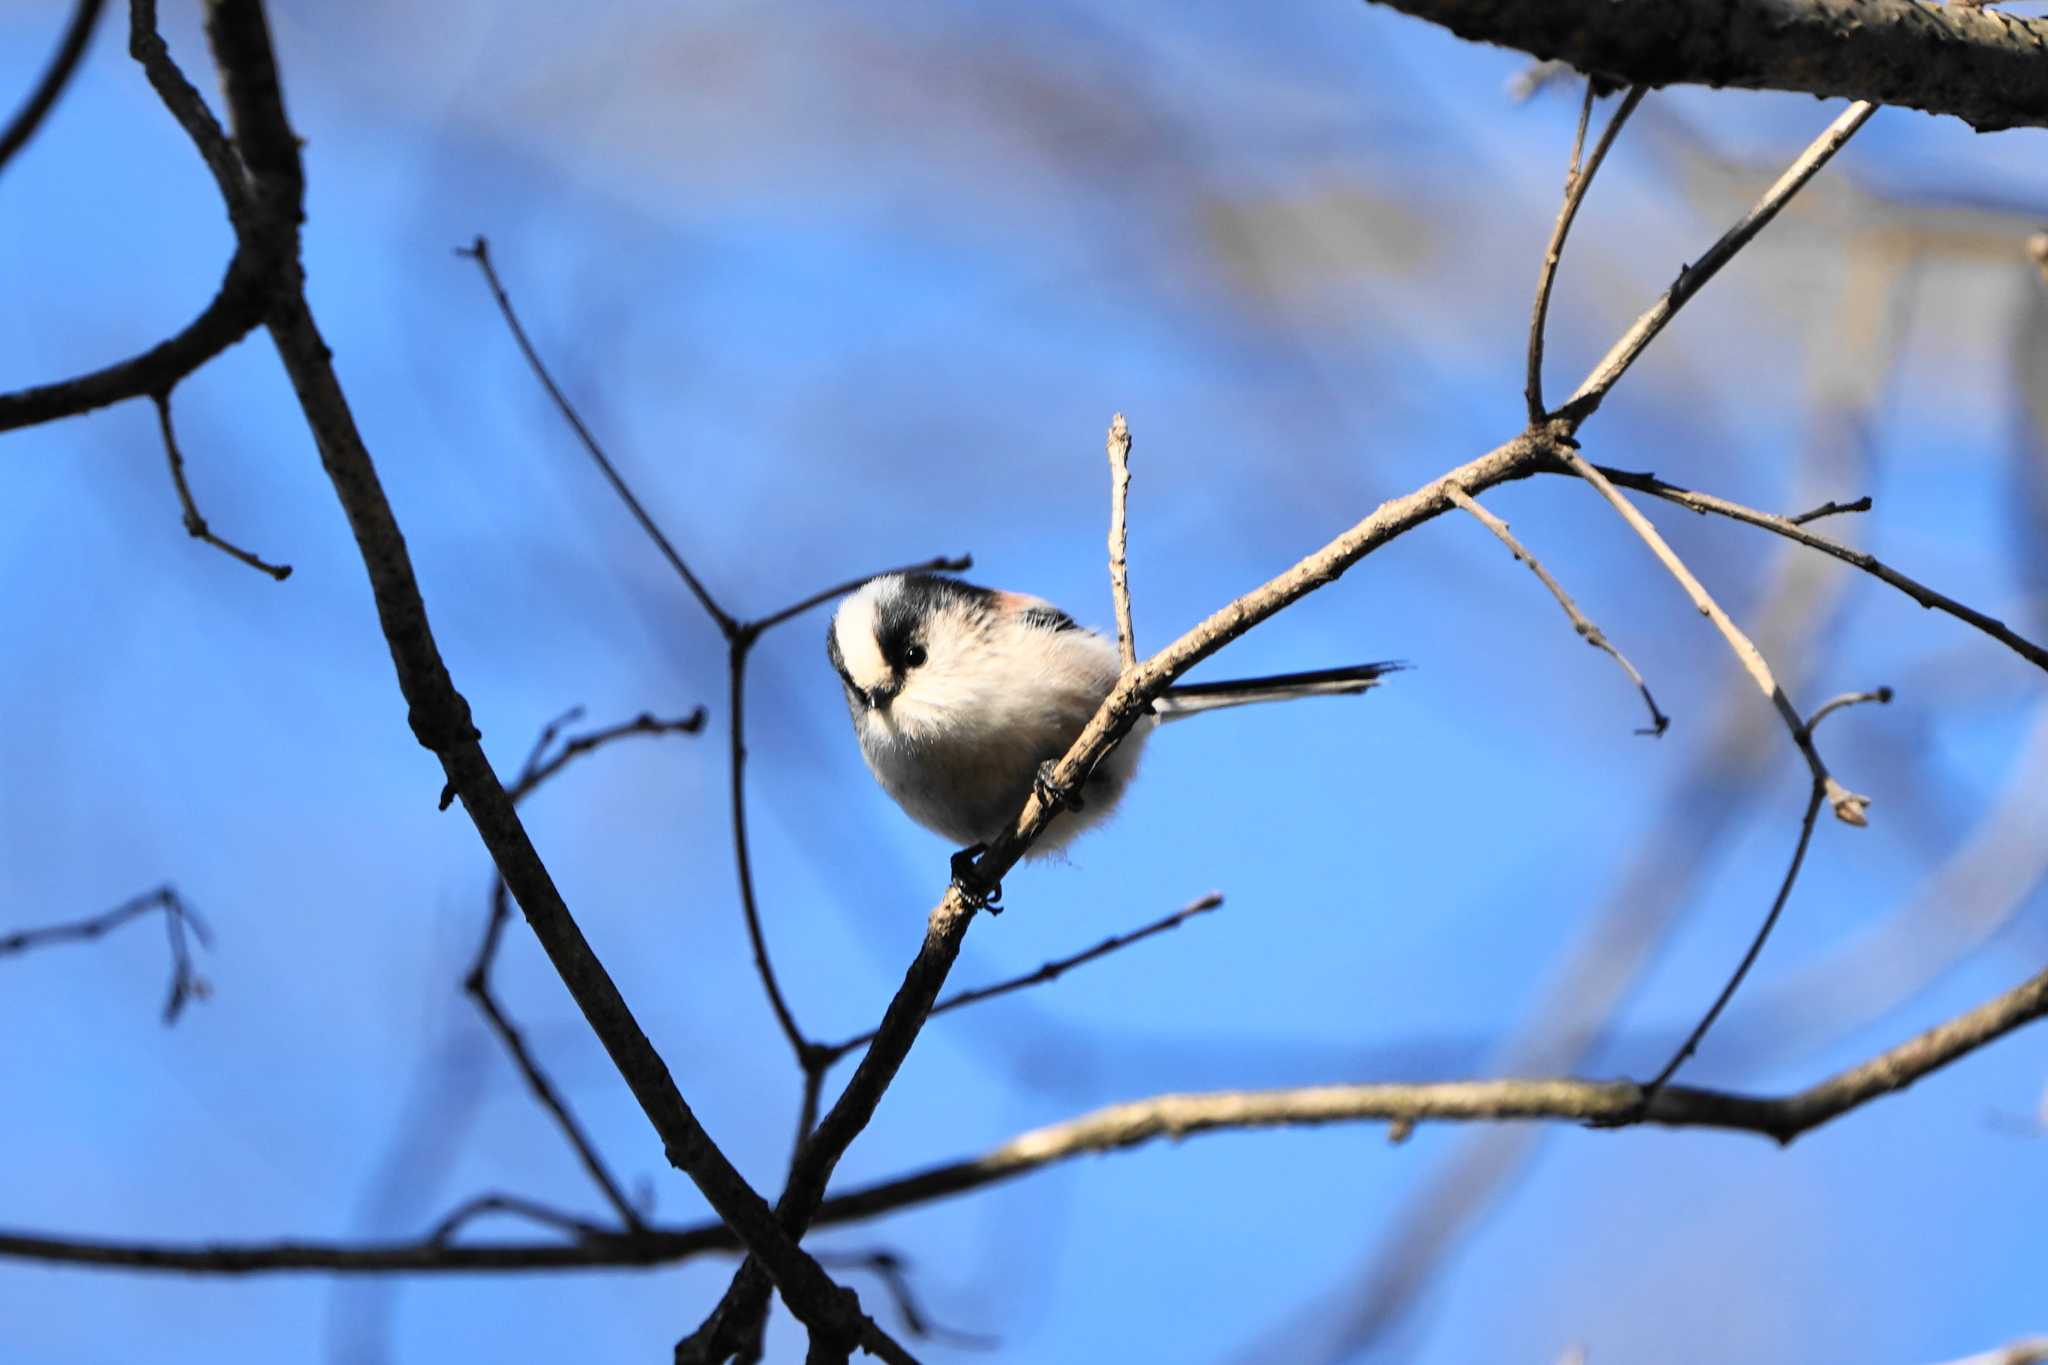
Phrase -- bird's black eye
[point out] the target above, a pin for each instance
(914, 657)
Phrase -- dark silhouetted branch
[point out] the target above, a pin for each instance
(1981, 67)
(63, 64)
(1053, 970)
(195, 525)
(186, 982)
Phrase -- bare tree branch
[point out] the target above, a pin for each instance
(1576, 183)
(1603, 1104)
(186, 982)
(1982, 67)
(1791, 529)
(1763, 933)
(1831, 508)
(1119, 446)
(195, 525)
(266, 246)
(480, 252)
(539, 770)
(1848, 806)
(1690, 278)
(1050, 971)
(533, 1211)
(1588, 632)
(440, 717)
(63, 63)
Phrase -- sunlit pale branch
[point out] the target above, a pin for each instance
(1588, 632)
(1602, 1104)
(1576, 182)
(1849, 807)
(1692, 277)
(1119, 446)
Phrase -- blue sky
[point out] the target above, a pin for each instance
(842, 290)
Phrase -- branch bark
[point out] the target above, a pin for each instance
(1978, 65)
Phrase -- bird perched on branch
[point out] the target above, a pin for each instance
(963, 697)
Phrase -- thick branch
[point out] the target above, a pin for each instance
(239, 35)
(1979, 65)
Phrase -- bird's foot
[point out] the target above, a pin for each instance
(1051, 793)
(968, 883)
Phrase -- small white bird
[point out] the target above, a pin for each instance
(964, 696)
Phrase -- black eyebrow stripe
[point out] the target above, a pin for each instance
(1050, 618)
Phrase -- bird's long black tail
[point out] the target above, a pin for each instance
(1187, 699)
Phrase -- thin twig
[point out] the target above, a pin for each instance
(1881, 695)
(63, 63)
(1763, 933)
(740, 637)
(195, 525)
(743, 862)
(894, 1272)
(1756, 946)
(1692, 277)
(532, 1210)
(540, 765)
(938, 564)
(1831, 508)
(740, 642)
(1848, 807)
(1704, 503)
(480, 252)
(477, 984)
(1050, 971)
(266, 245)
(1588, 632)
(644, 724)
(1119, 446)
(1576, 183)
(186, 982)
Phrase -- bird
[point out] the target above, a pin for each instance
(963, 697)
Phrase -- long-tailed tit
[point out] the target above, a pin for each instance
(963, 696)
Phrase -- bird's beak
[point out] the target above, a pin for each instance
(878, 698)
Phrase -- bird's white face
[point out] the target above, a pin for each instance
(913, 653)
